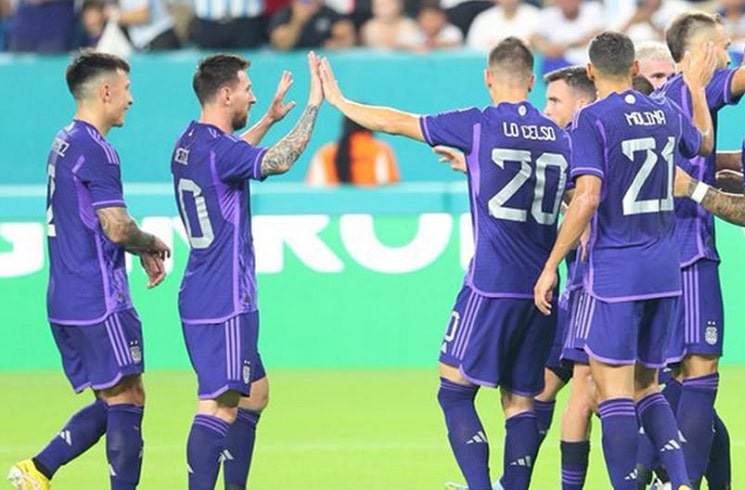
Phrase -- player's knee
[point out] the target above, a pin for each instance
(513, 404)
(695, 366)
(129, 389)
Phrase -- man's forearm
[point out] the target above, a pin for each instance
(729, 207)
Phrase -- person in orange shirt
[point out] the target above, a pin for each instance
(357, 158)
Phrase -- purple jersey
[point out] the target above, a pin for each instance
(87, 277)
(695, 227)
(517, 161)
(210, 173)
(629, 140)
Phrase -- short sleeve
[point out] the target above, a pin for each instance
(718, 91)
(454, 128)
(587, 147)
(690, 139)
(99, 171)
(237, 160)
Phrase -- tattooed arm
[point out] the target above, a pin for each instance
(729, 207)
(280, 157)
(121, 229)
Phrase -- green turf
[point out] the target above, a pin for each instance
(324, 430)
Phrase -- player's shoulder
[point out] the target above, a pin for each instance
(86, 140)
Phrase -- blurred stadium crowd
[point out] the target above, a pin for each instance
(558, 30)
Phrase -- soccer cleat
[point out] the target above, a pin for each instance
(25, 476)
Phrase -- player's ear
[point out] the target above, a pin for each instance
(635, 68)
(487, 78)
(225, 95)
(531, 82)
(104, 92)
(590, 72)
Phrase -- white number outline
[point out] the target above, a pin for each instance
(498, 210)
(631, 203)
(204, 241)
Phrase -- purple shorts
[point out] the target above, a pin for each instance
(498, 342)
(699, 324)
(225, 355)
(628, 332)
(99, 355)
(576, 335)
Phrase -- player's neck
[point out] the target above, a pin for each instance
(217, 118)
(607, 86)
(94, 119)
(508, 93)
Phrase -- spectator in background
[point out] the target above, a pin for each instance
(646, 20)
(357, 159)
(148, 23)
(92, 23)
(389, 28)
(656, 64)
(358, 11)
(462, 12)
(5, 10)
(435, 32)
(231, 24)
(505, 18)
(43, 26)
(732, 13)
(310, 24)
(564, 30)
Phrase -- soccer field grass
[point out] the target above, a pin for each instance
(324, 430)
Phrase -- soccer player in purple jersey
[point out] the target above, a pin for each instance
(622, 164)
(218, 304)
(699, 329)
(567, 90)
(94, 323)
(516, 160)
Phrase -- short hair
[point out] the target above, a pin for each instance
(216, 71)
(575, 77)
(612, 53)
(88, 65)
(641, 84)
(92, 5)
(684, 27)
(653, 50)
(512, 56)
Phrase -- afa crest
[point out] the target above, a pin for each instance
(246, 372)
(711, 334)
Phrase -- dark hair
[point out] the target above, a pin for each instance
(216, 71)
(612, 53)
(89, 64)
(641, 84)
(575, 77)
(512, 55)
(683, 28)
(92, 5)
(343, 158)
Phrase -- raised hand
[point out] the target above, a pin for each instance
(278, 109)
(153, 266)
(315, 97)
(698, 66)
(330, 87)
(454, 157)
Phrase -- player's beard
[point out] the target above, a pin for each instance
(240, 121)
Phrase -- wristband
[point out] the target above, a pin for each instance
(699, 192)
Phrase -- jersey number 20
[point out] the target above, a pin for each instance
(497, 206)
